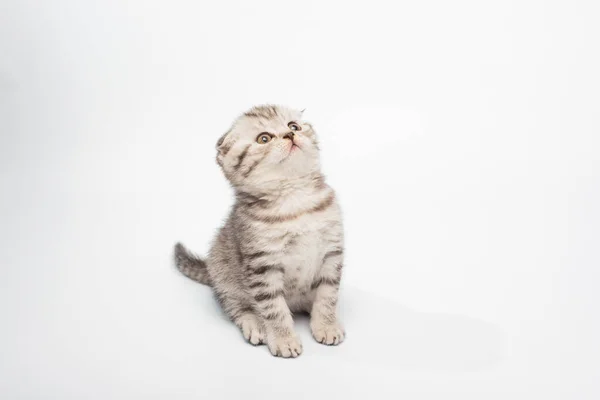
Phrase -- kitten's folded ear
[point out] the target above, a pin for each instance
(222, 148)
(220, 141)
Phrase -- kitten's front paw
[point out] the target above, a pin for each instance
(286, 347)
(331, 334)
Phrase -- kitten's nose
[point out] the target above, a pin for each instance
(289, 135)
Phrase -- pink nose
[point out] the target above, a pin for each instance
(289, 135)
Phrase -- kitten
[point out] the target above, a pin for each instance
(281, 249)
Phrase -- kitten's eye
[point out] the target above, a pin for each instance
(263, 138)
(294, 126)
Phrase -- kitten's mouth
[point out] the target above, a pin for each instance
(294, 147)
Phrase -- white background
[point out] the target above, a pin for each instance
(462, 137)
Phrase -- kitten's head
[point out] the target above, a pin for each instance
(268, 144)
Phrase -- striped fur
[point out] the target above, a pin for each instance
(191, 265)
(281, 249)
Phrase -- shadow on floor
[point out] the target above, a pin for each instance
(385, 333)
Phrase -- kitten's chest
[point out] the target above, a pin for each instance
(303, 255)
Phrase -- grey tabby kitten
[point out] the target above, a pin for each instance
(281, 249)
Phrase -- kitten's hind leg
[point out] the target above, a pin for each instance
(251, 327)
(241, 313)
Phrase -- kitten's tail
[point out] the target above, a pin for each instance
(191, 265)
